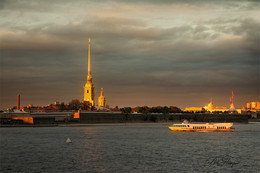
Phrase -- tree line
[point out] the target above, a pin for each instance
(75, 104)
(157, 109)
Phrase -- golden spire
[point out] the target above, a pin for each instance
(89, 88)
(101, 92)
(89, 67)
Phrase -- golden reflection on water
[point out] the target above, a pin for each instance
(91, 150)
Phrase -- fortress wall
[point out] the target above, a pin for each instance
(110, 117)
(87, 117)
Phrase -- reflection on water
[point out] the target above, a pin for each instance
(135, 148)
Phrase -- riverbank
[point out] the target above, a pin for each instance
(253, 120)
(111, 118)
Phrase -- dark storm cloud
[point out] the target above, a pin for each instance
(152, 40)
(247, 27)
(32, 5)
(51, 5)
(239, 4)
(131, 56)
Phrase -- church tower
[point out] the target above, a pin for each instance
(89, 87)
(101, 99)
(232, 107)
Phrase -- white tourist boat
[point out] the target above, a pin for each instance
(202, 127)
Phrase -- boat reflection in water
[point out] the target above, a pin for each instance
(202, 127)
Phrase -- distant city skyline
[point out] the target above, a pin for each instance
(153, 53)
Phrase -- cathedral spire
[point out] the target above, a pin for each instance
(89, 87)
(101, 92)
(89, 66)
(89, 78)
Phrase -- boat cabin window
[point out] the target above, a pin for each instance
(179, 125)
(199, 127)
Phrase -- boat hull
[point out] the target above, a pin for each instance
(201, 130)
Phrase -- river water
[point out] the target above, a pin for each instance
(129, 148)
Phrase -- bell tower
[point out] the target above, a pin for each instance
(89, 87)
(101, 99)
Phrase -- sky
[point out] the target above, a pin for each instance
(143, 52)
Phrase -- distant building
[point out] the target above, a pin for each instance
(89, 87)
(102, 106)
(18, 115)
(194, 109)
(212, 108)
(49, 108)
(253, 106)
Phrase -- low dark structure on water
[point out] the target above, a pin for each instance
(115, 117)
(20, 117)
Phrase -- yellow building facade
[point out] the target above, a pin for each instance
(193, 109)
(89, 87)
(212, 108)
(253, 106)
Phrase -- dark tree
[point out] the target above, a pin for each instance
(86, 105)
(74, 104)
(175, 109)
(62, 106)
(126, 110)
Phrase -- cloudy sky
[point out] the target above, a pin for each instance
(144, 52)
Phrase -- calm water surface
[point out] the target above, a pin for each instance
(131, 148)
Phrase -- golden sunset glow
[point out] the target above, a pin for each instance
(147, 53)
(129, 86)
